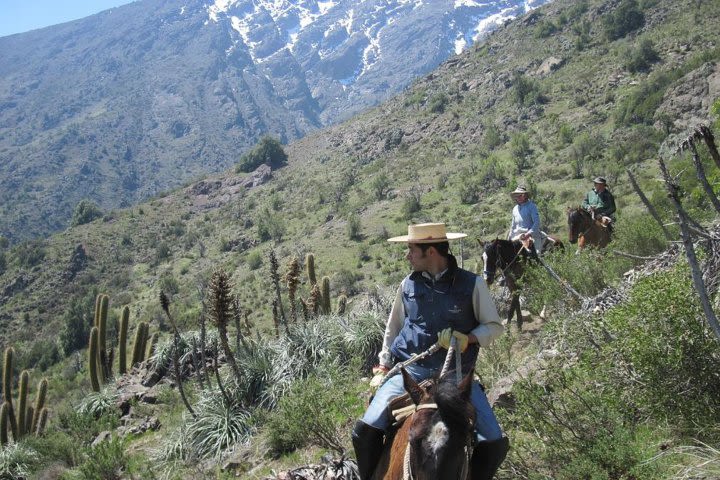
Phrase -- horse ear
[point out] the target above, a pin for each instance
(480, 242)
(411, 387)
(465, 387)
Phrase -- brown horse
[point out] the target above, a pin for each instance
(585, 230)
(510, 257)
(436, 440)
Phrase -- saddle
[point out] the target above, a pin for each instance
(402, 406)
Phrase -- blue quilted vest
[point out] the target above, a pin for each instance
(431, 307)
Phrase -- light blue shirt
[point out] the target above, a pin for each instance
(525, 219)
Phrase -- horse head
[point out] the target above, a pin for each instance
(578, 221)
(441, 428)
(490, 259)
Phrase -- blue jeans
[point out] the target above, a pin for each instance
(377, 414)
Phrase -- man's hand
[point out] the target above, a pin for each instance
(445, 336)
(379, 372)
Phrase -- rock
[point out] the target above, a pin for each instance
(102, 437)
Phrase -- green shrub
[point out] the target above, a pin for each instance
(317, 411)
(626, 18)
(29, 254)
(270, 226)
(3, 263)
(85, 212)
(639, 58)
(76, 324)
(106, 460)
(254, 260)
(545, 28)
(438, 102)
(527, 91)
(354, 227)
(268, 150)
(379, 186)
(218, 425)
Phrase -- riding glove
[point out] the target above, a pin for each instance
(445, 336)
(379, 372)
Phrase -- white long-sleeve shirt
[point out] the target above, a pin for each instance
(488, 329)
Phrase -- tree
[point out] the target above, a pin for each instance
(85, 212)
(627, 17)
(268, 150)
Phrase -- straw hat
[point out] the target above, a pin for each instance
(427, 233)
(600, 180)
(519, 190)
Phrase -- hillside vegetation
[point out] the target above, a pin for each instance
(568, 92)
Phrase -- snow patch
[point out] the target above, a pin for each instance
(220, 6)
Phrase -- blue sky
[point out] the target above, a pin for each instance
(23, 15)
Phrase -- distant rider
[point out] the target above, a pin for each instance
(601, 203)
(525, 219)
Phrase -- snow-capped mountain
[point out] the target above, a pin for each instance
(354, 53)
(137, 99)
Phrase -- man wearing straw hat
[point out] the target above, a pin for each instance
(525, 219)
(600, 202)
(437, 301)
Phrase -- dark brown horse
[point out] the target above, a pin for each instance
(585, 230)
(435, 441)
(510, 257)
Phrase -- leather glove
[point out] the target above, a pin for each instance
(379, 372)
(445, 336)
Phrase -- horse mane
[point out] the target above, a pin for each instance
(453, 400)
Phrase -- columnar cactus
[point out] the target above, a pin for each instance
(7, 389)
(139, 343)
(4, 417)
(153, 344)
(325, 296)
(93, 359)
(22, 403)
(101, 324)
(39, 404)
(342, 304)
(122, 339)
(42, 421)
(310, 267)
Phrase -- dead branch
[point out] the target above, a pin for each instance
(648, 205)
(702, 178)
(672, 189)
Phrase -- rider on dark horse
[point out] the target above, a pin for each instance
(436, 302)
(525, 220)
(601, 203)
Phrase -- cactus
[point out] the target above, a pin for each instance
(4, 415)
(310, 268)
(7, 389)
(122, 339)
(153, 344)
(39, 403)
(341, 305)
(29, 412)
(101, 324)
(139, 344)
(42, 421)
(93, 358)
(325, 296)
(22, 403)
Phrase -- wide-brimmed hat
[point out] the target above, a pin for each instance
(519, 190)
(427, 233)
(600, 180)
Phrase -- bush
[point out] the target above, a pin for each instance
(624, 19)
(639, 58)
(29, 254)
(270, 226)
(268, 150)
(438, 102)
(85, 212)
(106, 460)
(76, 324)
(17, 461)
(315, 412)
(254, 260)
(3, 263)
(527, 91)
(354, 227)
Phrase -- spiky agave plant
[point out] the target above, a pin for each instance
(219, 424)
(17, 460)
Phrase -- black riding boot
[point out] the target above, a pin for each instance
(487, 457)
(368, 444)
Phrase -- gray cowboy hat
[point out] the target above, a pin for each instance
(519, 190)
(600, 180)
(427, 233)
